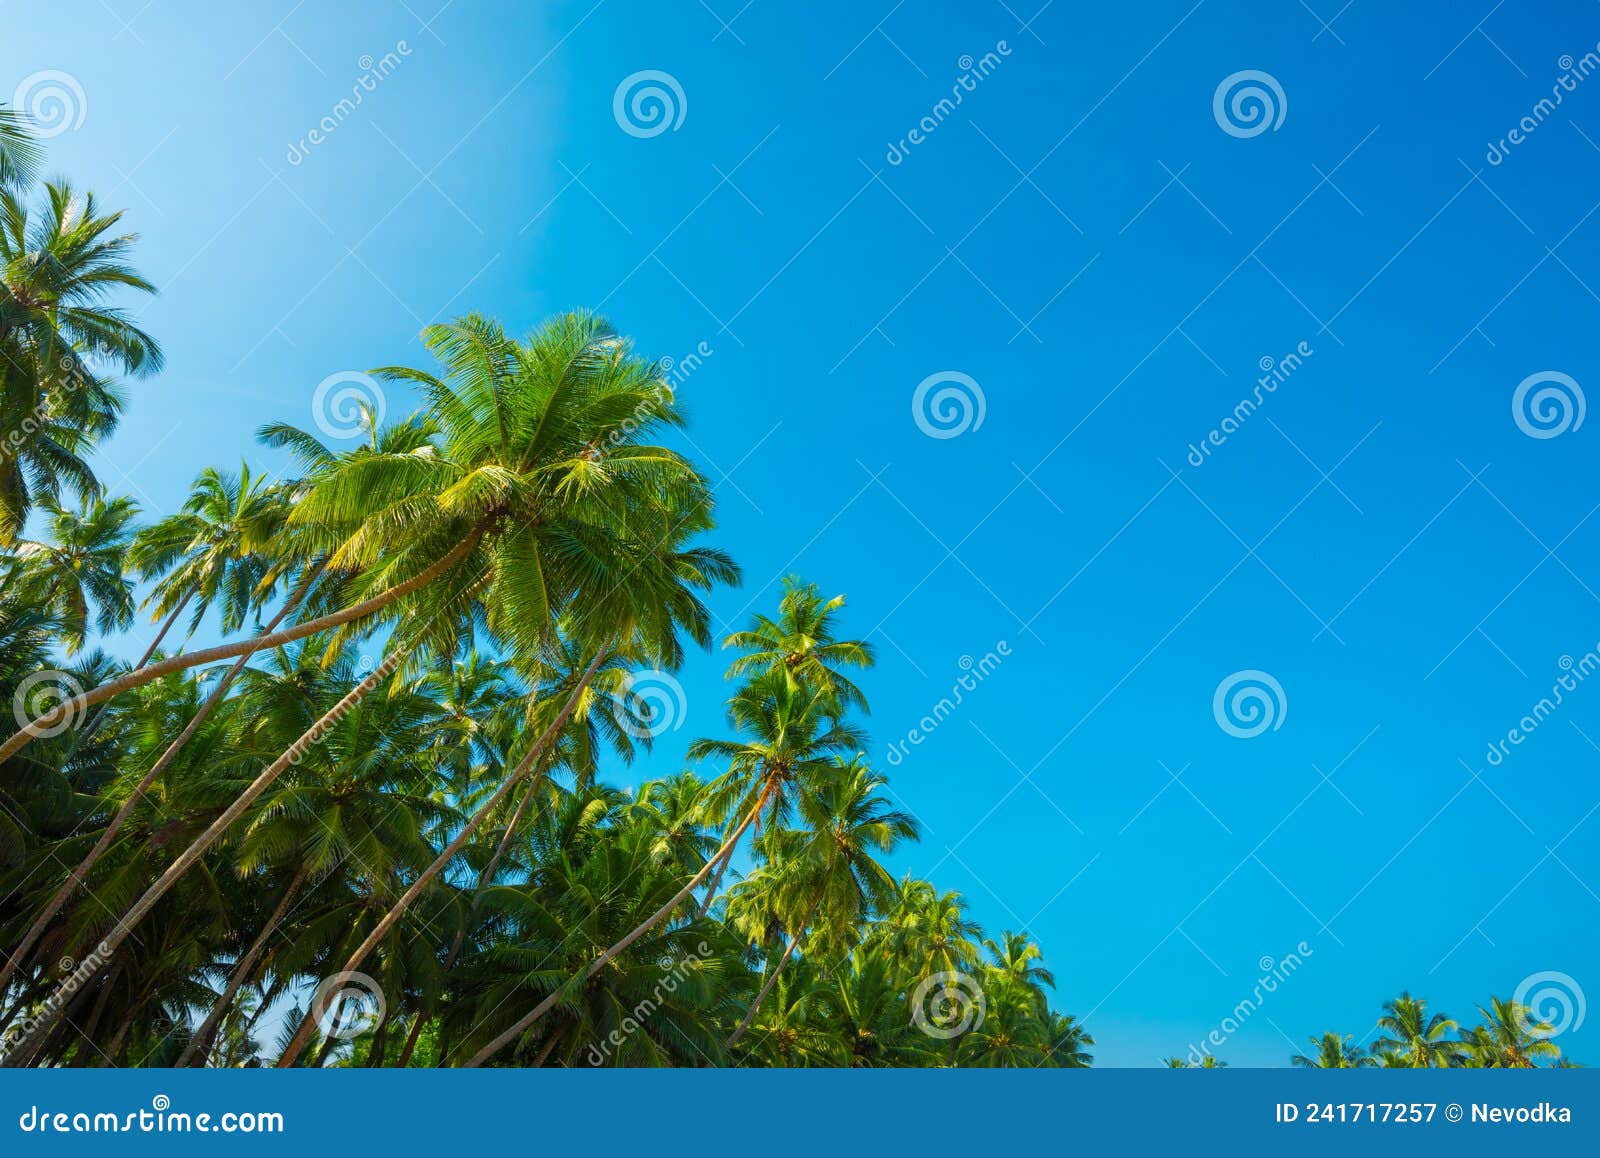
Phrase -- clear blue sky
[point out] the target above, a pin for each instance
(1085, 241)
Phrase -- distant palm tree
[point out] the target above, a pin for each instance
(79, 568)
(1334, 1052)
(1413, 1034)
(801, 643)
(1511, 1037)
(1067, 1043)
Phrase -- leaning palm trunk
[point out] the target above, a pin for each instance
(200, 1044)
(772, 980)
(649, 923)
(81, 873)
(460, 938)
(141, 908)
(308, 1026)
(134, 679)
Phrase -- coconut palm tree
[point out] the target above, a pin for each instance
(1511, 1037)
(58, 267)
(792, 732)
(539, 489)
(1066, 1042)
(801, 642)
(1414, 1035)
(832, 870)
(80, 567)
(1334, 1052)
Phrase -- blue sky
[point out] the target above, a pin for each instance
(1082, 239)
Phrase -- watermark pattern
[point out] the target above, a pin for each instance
(654, 704)
(44, 692)
(947, 1005)
(973, 73)
(633, 1021)
(347, 1005)
(948, 404)
(54, 102)
(76, 974)
(373, 73)
(1573, 73)
(974, 672)
(1552, 1002)
(648, 103)
(348, 404)
(1573, 673)
(1274, 373)
(1249, 702)
(1273, 974)
(1248, 103)
(1547, 404)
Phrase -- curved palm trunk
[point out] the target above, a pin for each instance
(484, 878)
(166, 626)
(392, 917)
(200, 1044)
(141, 908)
(711, 889)
(79, 874)
(649, 923)
(206, 655)
(772, 980)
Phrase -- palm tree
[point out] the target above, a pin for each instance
(801, 642)
(792, 732)
(1017, 963)
(1066, 1042)
(57, 268)
(845, 825)
(1334, 1052)
(1511, 1037)
(539, 490)
(80, 567)
(1417, 1037)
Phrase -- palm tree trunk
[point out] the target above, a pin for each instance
(166, 626)
(79, 874)
(205, 655)
(484, 878)
(200, 1044)
(649, 923)
(711, 889)
(141, 908)
(772, 980)
(392, 917)
(411, 1040)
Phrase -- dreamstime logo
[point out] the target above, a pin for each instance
(1249, 702)
(1552, 1003)
(348, 404)
(948, 404)
(347, 1005)
(1547, 404)
(973, 673)
(654, 704)
(44, 692)
(648, 103)
(54, 102)
(75, 974)
(1255, 105)
(973, 73)
(1273, 974)
(947, 1005)
(1274, 373)
(373, 73)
